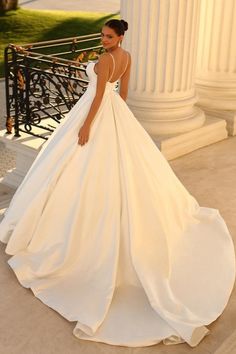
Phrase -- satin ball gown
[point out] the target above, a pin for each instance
(106, 234)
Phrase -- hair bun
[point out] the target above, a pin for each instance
(125, 24)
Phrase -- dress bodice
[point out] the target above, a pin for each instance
(93, 77)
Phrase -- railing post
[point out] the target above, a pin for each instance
(27, 91)
(9, 120)
(15, 91)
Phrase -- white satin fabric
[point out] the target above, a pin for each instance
(106, 234)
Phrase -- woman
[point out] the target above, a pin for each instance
(102, 231)
(107, 70)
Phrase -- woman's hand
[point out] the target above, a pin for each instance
(84, 133)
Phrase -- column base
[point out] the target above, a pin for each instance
(176, 145)
(228, 115)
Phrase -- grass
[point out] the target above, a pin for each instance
(27, 26)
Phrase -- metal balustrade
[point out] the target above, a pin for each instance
(44, 80)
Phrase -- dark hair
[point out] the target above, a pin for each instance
(119, 26)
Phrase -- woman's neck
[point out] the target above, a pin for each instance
(113, 49)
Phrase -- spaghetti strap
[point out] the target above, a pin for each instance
(113, 67)
(127, 61)
(125, 65)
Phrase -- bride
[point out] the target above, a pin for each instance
(103, 232)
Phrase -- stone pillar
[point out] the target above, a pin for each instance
(216, 61)
(162, 39)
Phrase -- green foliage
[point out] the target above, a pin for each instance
(27, 26)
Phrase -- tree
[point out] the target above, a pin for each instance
(6, 5)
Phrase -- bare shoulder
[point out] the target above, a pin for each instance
(129, 55)
(126, 51)
(104, 58)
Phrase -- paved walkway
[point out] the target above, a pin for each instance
(110, 6)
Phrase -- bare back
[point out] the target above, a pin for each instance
(119, 63)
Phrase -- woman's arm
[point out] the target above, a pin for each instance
(102, 78)
(124, 81)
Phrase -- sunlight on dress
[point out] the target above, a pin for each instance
(106, 234)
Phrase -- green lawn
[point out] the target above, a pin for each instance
(27, 26)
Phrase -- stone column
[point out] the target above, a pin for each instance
(162, 39)
(216, 61)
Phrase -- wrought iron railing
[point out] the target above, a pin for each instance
(44, 80)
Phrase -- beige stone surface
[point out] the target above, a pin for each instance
(7, 157)
(27, 326)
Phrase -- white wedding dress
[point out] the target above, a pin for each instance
(106, 235)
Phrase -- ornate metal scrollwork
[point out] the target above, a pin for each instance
(40, 88)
